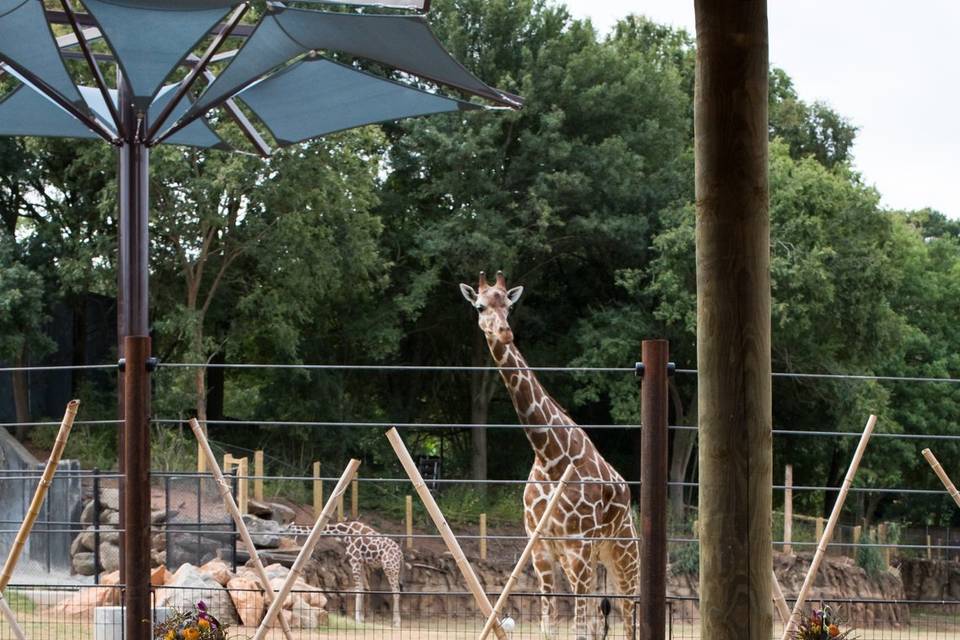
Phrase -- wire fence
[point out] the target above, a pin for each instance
(55, 613)
(191, 529)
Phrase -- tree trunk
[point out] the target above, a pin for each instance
(681, 456)
(21, 393)
(216, 379)
(733, 319)
(482, 385)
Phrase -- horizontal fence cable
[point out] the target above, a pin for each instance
(468, 368)
(473, 425)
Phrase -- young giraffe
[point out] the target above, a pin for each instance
(366, 548)
(588, 512)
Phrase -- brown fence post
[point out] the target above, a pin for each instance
(409, 510)
(354, 499)
(317, 490)
(653, 490)
(819, 529)
(258, 472)
(483, 536)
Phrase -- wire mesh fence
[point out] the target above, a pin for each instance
(60, 613)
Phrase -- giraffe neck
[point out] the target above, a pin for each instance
(538, 411)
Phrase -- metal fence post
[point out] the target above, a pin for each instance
(96, 526)
(653, 489)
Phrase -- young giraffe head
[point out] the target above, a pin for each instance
(493, 303)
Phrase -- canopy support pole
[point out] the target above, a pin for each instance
(133, 333)
(92, 64)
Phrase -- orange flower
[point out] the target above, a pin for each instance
(170, 635)
(834, 630)
(191, 633)
(203, 623)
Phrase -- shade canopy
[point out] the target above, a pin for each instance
(294, 74)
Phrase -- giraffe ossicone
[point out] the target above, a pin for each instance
(593, 524)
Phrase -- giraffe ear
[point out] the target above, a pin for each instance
(468, 293)
(514, 294)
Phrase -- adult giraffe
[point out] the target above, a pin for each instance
(592, 511)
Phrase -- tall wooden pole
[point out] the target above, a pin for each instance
(652, 603)
(733, 319)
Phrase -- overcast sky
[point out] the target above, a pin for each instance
(889, 67)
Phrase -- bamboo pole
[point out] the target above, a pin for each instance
(409, 510)
(780, 601)
(223, 488)
(483, 536)
(41, 492)
(307, 550)
(944, 478)
(340, 516)
(258, 472)
(819, 528)
(787, 511)
(828, 532)
(527, 550)
(354, 499)
(473, 583)
(317, 490)
(11, 619)
(243, 485)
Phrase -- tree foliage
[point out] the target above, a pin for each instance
(349, 250)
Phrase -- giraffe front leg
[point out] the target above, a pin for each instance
(393, 577)
(626, 573)
(579, 567)
(356, 568)
(543, 565)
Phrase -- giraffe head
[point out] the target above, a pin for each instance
(493, 303)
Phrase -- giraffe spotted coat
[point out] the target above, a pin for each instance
(593, 517)
(365, 548)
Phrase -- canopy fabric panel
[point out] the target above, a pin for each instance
(197, 134)
(28, 46)
(419, 5)
(151, 37)
(315, 97)
(404, 42)
(24, 112)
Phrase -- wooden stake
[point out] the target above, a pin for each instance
(527, 550)
(258, 472)
(340, 516)
(11, 619)
(819, 525)
(779, 601)
(307, 550)
(45, 479)
(882, 539)
(201, 461)
(243, 485)
(354, 499)
(787, 512)
(929, 548)
(317, 490)
(409, 510)
(828, 532)
(483, 536)
(223, 488)
(473, 583)
(944, 478)
(857, 532)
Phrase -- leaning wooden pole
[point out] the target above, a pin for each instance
(473, 583)
(733, 319)
(227, 496)
(38, 496)
(307, 550)
(780, 601)
(11, 619)
(828, 530)
(527, 550)
(944, 478)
